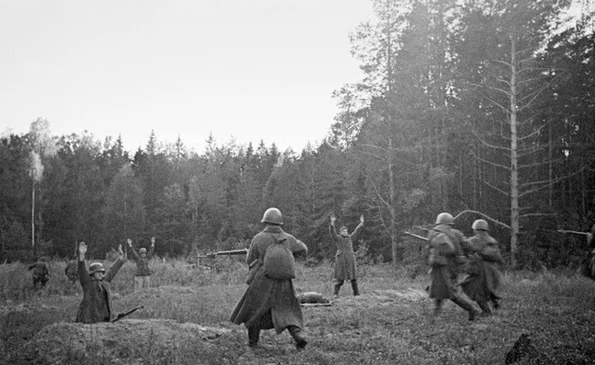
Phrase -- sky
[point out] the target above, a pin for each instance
(242, 70)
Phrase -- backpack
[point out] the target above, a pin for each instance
(278, 262)
(441, 246)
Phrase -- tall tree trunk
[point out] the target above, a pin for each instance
(514, 172)
(33, 219)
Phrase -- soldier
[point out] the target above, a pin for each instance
(444, 254)
(96, 304)
(71, 271)
(268, 302)
(345, 265)
(41, 272)
(483, 279)
(142, 278)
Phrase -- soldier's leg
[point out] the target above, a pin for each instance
(354, 287)
(253, 336)
(466, 306)
(338, 284)
(138, 282)
(485, 308)
(147, 282)
(296, 333)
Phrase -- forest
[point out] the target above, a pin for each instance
(484, 109)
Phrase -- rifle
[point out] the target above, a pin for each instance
(122, 315)
(416, 236)
(241, 251)
(573, 232)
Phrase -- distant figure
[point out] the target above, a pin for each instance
(71, 271)
(444, 254)
(142, 277)
(345, 265)
(270, 300)
(96, 304)
(483, 278)
(41, 272)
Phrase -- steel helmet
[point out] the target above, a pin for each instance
(272, 216)
(445, 218)
(480, 225)
(142, 250)
(96, 267)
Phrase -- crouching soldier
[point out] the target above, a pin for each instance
(96, 304)
(71, 271)
(41, 272)
(270, 300)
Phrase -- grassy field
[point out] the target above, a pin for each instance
(388, 324)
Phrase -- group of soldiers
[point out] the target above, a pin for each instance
(450, 253)
(270, 301)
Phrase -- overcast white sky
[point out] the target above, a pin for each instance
(251, 69)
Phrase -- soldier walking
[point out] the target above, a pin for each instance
(271, 302)
(483, 278)
(444, 254)
(345, 265)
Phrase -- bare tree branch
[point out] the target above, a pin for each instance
(496, 188)
(483, 215)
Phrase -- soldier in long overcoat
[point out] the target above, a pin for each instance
(270, 303)
(345, 264)
(444, 253)
(483, 278)
(96, 304)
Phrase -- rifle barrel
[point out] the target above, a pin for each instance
(242, 251)
(416, 236)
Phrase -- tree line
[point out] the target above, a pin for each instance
(483, 108)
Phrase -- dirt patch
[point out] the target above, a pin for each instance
(127, 341)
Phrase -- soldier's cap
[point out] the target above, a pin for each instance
(143, 250)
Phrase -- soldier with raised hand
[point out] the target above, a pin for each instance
(483, 278)
(270, 300)
(345, 264)
(444, 254)
(142, 277)
(96, 304)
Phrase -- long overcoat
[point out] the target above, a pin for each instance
(269, 303)
(96, 304)
(443, 283)
(482, 279)
(345, 265)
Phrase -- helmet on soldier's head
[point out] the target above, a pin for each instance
(445, 218)
(272, 216)
(96, 267)
(142, 250)
(480, 225)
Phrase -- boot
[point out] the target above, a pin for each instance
(337, 288)
(296, 333)
(253, 336)
(466, 306)
(437, 310)
(354, 287)
(496, 304)
(485, 308)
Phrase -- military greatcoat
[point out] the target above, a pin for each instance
(345, 265)
(444, 278)
(483, 278)
(96, 304)
(269, 303)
